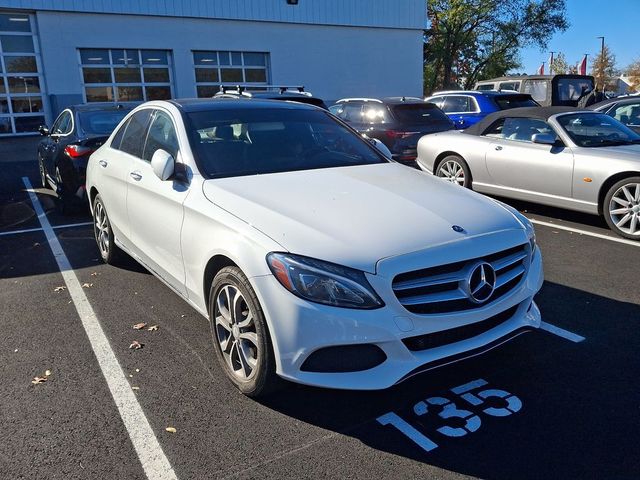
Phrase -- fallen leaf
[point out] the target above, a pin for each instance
(59, 289)
(87, 285)
(37, 380)
(139, 326)
(171, 430)
(153, 328)
(135, 345)
(47, 373)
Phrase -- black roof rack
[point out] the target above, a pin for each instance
(240, 88)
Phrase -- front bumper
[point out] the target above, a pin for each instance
(299, 328)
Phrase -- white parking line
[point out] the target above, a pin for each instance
(561, 332)
(154, 462)
(585, 232)
(55, 227)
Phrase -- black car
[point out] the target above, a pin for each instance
(398, 122)
(64, 151)
(624, 109)
(270, 92)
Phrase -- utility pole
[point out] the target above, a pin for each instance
(604, 80)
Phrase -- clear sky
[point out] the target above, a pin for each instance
(617, 20)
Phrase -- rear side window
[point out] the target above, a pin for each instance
(514, 101)
(537, 89)
(458, 104)
(135, 133)
(117, 138)
(510, 86)
(420, 113)
(351, 112)
(162, 135)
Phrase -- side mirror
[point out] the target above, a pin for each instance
(44, 131)
(382, 148)
(544, 138)
(162, 164)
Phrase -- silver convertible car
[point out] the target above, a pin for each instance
(559, 156)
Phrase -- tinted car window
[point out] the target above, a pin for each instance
(514, 101)
(134, 135)
(117, 138)
(101, 122)
(374, 113)
(162, 135)
(63, 124)
(597, 130)
(457, 104)
(228, 143)
(420, 113)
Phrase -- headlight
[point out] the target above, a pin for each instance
(323, 282)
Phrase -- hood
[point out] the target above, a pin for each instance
(356, 216)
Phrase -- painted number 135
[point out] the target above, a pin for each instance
(449, 409)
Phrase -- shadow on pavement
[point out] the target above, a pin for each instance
(580, 401)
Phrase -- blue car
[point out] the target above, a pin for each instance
(467, 107)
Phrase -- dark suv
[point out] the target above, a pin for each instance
(270, 92)
(65, 149)
(398, 122)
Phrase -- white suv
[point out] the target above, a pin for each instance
(315, 258)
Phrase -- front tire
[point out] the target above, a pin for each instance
(454, 169)
(240, 335)
(103, 233)
(621, 208)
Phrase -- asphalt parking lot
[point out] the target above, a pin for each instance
(545, 405)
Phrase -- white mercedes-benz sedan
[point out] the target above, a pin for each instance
(316, 259)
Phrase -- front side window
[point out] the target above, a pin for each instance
(215, 68)
(519, 129)
(161, 136)
(628, 114)
(125, 75)
(597, 130)
(228, 143)
(537, 89)
(63, 124)
(135, 133)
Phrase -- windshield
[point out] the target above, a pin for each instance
(101, 122)
(228, 143)
(420, 113)
(515, 101)
(597, 130)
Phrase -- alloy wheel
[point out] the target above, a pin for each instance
(101, 229)
(236, 332)
(624, 208)
(452, 171)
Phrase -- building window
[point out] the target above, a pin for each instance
(217, 68)
(21, 94)
(125, 75)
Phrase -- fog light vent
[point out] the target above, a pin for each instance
(344, 358)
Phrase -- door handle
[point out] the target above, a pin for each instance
(498, 147)
(137, 176)
(103, 163)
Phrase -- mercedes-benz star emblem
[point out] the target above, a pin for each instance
(481, 282)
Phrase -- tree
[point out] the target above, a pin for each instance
(633, 72)
(604, 69)
(560, 65)
(468, 40)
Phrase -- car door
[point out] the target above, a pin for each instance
(54, 144)
(515, 163)
(155, 207)
(114, 165)
(461, 109)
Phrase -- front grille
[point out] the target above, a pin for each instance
(442, 289)
(458, 334)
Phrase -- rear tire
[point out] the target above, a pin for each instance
(621, 208)
(240, 334)
(103, 233)
(454, 169)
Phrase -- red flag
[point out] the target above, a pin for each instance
(582, 69)
(541, 69)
